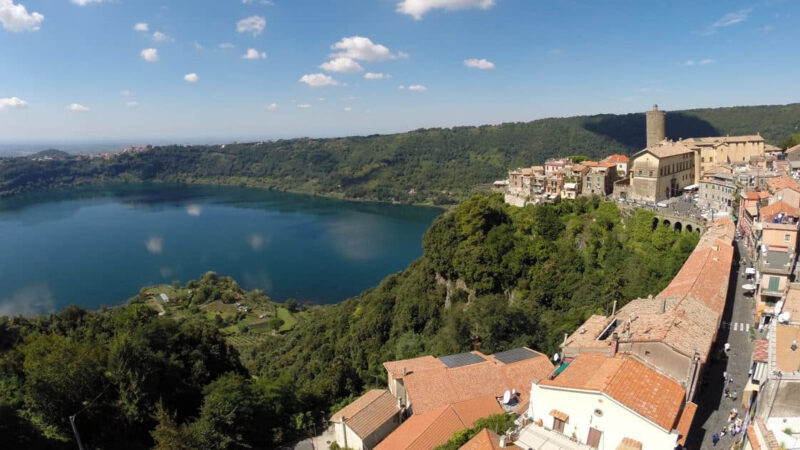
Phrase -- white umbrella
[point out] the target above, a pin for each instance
(750, 271)
(749, 287)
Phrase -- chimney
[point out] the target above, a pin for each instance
(663, 305)
(565, 339)
(502, 442)
(405, 371)
(612, 350)
(614, 309)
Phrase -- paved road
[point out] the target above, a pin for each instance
(713, 407)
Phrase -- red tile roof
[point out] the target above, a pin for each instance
(755, 195)
(369, 412)
(685, 422)
(617, 159)
(782, 182)
(761, 351)
(629, 444)
(486, 440)
(395, 368)
(641, 389)
(779, 207)
(436, 385)
(435, 427)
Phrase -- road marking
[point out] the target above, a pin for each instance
(747, 327)
(736, 326)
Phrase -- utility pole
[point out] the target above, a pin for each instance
(75, 430)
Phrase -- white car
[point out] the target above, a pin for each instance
(662, 204)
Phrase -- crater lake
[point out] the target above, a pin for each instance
(99, 245)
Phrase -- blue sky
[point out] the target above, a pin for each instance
(81, 70)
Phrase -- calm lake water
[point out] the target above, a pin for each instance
(99, 246)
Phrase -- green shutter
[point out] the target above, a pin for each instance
(773, 284)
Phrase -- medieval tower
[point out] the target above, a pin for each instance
(656, 126)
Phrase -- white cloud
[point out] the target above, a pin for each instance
(226, 45)
(348, 108)
(376, 76)
(702, 62)
(272, 106)
(141, 26)
(252, 24)
(418, 8)
(304, 106)
(85, 2)
(16, 17)
(132, 104)
(191, 77)
(361, 48)
(197, 46)
(150, 54)
(125, 93)
(728, 20)
(401, 87)
(318, 80)
(77, 107)
(161, 37)
(417, 88)
(481, 64)
(12, 103)
(341, 64)
(254, 54)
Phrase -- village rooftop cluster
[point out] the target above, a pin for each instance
(636, 378)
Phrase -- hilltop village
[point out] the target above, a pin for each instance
(711, 360)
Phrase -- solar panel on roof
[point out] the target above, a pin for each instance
(515, 355)
(461, 359)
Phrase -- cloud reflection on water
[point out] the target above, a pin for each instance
(353, 236)
(155, 245)
(194, 210)
(28, 301)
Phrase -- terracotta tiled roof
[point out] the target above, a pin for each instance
(369, 412)
(780, 207)
(769, 440)
(632, 384)
(629, 444)
(717, 140)
(562, 416)
(793, 149)
(685, 422)
(435, 427)
(435, 386)
(761, 350)
(598, 164)
(785, 181)
(755, 195)
(486, 440)
(395, 368)
(751, 436)
(665, 149)
(616, 158)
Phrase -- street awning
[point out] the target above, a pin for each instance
(750, 271)
(690, 187)
(564, 417)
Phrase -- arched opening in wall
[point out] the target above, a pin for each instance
(678, 226)
(689, 228)
(655, 222)
(697, 230)
(666, 223)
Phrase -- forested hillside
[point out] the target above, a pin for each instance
(526, 276)
(422, 166)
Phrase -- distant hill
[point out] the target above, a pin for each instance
(438, 165)
(51, 153)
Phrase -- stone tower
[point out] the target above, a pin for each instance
(656, 126)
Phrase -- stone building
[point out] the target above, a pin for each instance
(715, 151)
(656, 126)
(717, 191)
(621, 162)
(662, 171)
(600, 178)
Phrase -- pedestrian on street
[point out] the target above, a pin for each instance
(727, 393)
(727, 347)
(725, 377)
(715, 438)
(734, 396)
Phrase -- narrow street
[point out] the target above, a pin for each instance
(736, 329)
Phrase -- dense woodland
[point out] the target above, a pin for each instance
(138, 380)
(423, 166)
